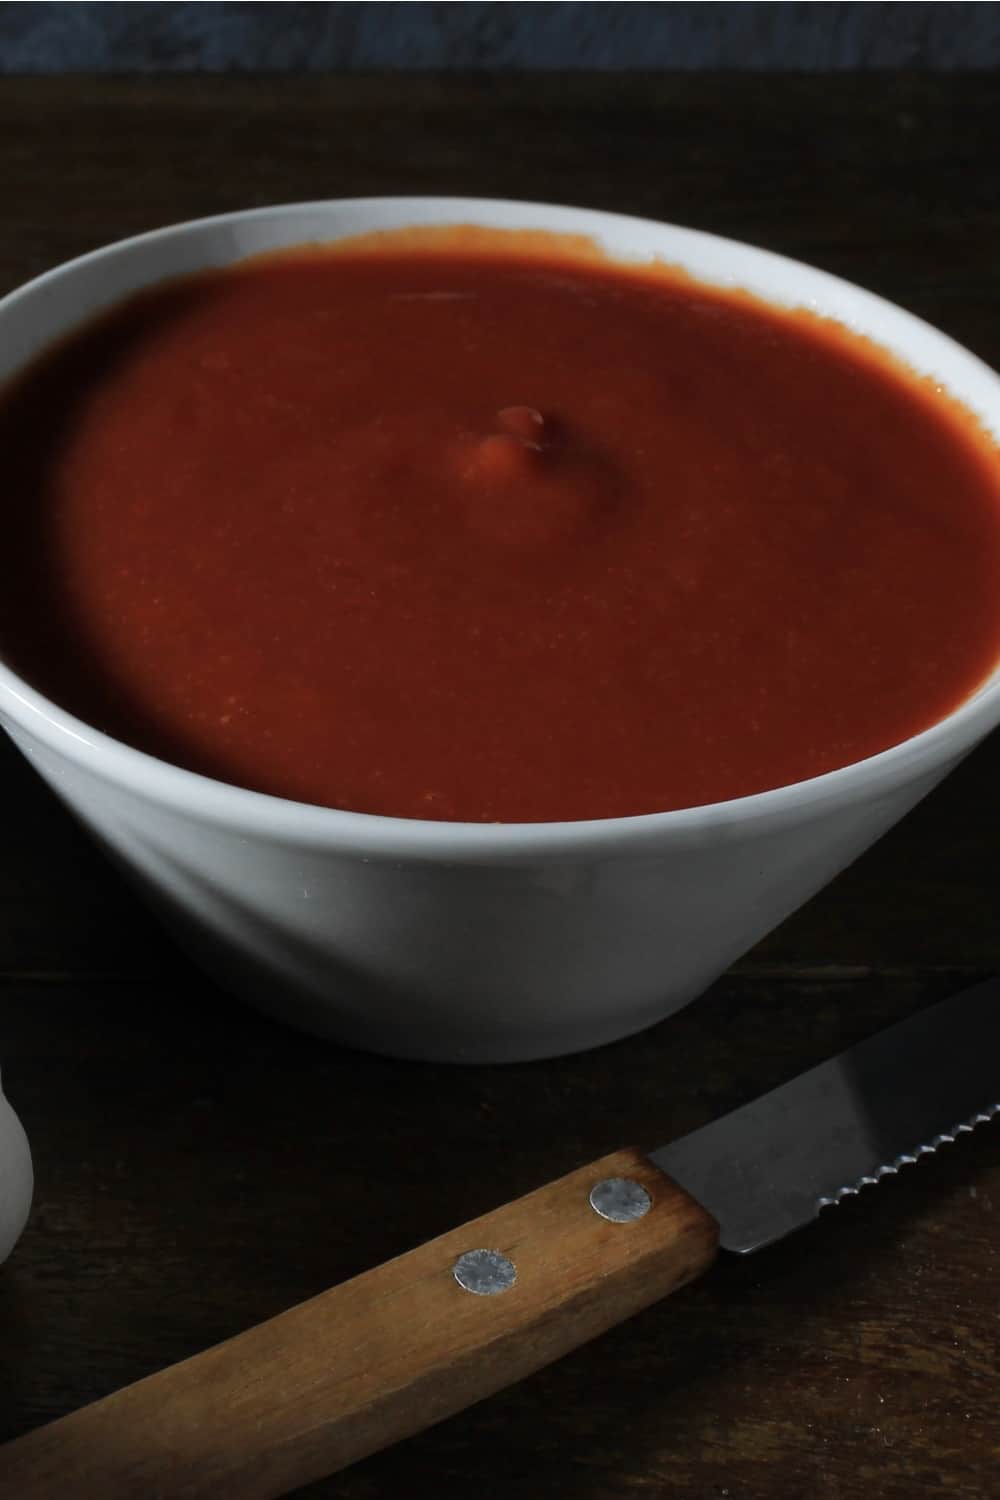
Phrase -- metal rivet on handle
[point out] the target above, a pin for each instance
(620, 1199)
(485, 1272)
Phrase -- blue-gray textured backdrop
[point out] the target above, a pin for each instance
(156, 37)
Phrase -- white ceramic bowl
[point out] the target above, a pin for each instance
(463, 941)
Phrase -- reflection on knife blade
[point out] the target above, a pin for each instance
(770, 1167)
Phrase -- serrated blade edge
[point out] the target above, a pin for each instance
(910, 1159)
(771, 1166)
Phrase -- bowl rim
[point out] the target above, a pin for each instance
(376, 834)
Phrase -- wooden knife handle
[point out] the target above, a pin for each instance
(383, 1356)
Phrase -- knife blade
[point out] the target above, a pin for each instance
(413, 1341)
(769, 1168)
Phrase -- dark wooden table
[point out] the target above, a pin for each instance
(200, 1168)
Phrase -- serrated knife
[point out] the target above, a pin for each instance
(419, 1338)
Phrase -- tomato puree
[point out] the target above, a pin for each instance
(492, 534)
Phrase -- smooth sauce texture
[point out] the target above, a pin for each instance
(492, 537)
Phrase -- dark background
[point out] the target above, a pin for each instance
(39, 38)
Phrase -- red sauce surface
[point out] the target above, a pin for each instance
(482, 535)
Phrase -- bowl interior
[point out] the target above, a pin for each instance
(55, 303)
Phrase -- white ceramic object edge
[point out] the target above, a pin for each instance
(16, 1178)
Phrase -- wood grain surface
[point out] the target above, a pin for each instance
(201, 1169)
